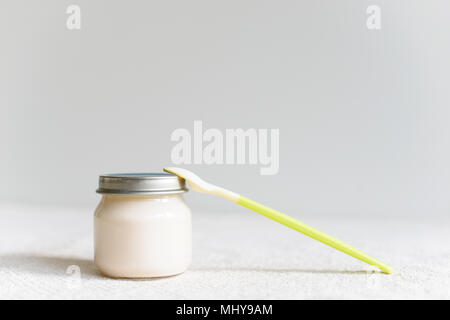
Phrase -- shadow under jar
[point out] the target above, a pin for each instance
(142, 226)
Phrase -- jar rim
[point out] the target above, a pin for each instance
(141, 183)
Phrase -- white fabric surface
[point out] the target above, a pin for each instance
(236, 256)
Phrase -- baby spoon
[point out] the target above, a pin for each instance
(199, 185)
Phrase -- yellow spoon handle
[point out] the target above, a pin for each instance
(312, 232)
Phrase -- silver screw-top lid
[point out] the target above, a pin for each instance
(141, 183)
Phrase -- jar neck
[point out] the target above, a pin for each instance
(138, 197)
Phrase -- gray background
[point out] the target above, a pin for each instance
(363, 115)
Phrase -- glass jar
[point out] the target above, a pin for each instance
(142, 226)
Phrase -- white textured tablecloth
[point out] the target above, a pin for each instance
(236, 256)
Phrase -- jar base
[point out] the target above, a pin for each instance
(139, 276)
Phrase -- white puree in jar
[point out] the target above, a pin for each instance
(140, 236)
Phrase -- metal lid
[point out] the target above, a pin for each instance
(141, 183)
